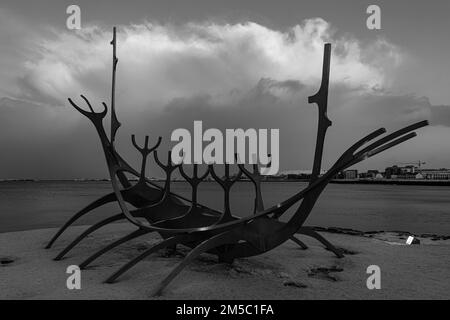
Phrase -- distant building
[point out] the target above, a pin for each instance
(295, 175)
(378, 176)
(409, 169)
(391, 171)
(370, 174)
(435, 174)
(413, 172)
(419, 176)
(396, 172)
(351, 174)
(340, 175)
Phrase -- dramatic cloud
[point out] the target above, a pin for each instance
(158, 63)
(227, 75)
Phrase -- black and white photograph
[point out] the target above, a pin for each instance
(211, 150)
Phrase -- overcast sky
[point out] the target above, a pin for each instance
(248, 64)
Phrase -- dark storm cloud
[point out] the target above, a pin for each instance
(62, 143)
(440, 115)
(230, 75)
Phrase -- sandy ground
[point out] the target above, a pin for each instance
(27, 270)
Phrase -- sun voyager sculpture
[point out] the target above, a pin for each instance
(179, 220)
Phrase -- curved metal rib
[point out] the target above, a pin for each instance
(302, 245)
(88, 232)
(314, 234)
(145, 151)
(255, 178)
(93, 205)
(163, 244)
(128, 237)
(216, 241)
(226, 183)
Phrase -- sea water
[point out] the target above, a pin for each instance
(417, 209)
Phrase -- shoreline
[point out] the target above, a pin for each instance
(336, 230)
(28, 271)
(371, 234)
(405, 182)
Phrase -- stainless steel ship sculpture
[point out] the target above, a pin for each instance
(184, 221)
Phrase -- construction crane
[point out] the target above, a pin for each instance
(418, 164)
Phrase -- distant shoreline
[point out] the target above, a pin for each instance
(404, 182)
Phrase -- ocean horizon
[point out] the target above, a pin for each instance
(26, 205)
